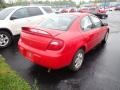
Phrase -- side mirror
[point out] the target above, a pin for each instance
(13, 18)
(105, 24)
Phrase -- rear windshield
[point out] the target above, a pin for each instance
(57, 22)
(5, 12)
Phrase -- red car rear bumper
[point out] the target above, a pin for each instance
(48, 59)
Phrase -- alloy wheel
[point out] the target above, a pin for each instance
(79, 60)
(4, 40)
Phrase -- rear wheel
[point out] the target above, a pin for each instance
(5, 39)
(77, 60)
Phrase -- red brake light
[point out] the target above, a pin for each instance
(25, 28)
(55, 44)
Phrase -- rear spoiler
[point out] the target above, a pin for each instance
(36, 31)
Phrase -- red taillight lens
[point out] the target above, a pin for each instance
(55, 44)
(25, 29)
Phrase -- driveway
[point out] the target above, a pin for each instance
(100, 70)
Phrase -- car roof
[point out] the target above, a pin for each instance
(14, 7)
(77, 14)
(17, 7)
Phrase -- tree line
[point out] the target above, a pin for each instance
(48, 2)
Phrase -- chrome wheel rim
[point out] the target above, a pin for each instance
(4, 40)
(103, 17)
(79, 60)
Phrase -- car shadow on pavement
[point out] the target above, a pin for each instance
(56, 78)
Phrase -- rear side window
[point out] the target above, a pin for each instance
(47, 9)
(34, 11)
(20, 13)
(97, 23)
(86, 23)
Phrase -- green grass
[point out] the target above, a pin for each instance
(9, 80)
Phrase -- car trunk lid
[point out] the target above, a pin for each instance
(38, 38)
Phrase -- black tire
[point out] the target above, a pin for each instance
(105, 38)
(5, 39)
(73, 66)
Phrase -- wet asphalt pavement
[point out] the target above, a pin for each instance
(100, 70)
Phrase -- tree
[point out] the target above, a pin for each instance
(1, 1)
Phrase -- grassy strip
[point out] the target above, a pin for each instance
(9, 80)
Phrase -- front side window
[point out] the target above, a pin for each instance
(97, 23)
(34, 11)
(86, 23)
(5, 12)
(20, 13)
(47, 9)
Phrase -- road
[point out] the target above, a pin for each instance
(100, 70)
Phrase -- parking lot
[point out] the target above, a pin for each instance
(100, 70)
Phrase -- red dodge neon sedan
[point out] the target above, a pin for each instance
(62, 40)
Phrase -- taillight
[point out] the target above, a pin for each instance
(25, 29)
(56, 44)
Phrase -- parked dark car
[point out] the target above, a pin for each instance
(63, 10)
(72, 10)
(117, 8)
(100, 15)
(94, 10)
